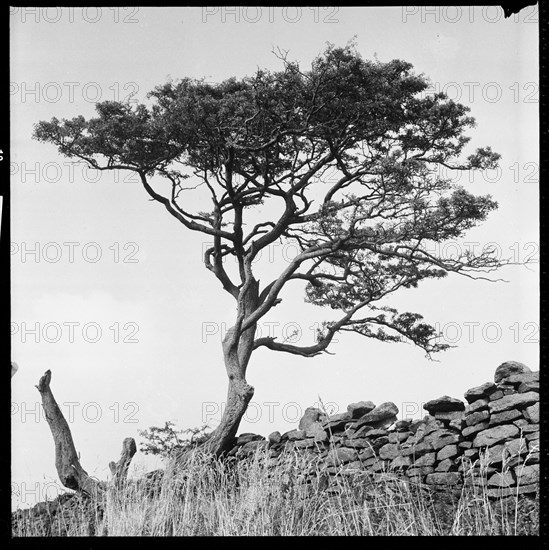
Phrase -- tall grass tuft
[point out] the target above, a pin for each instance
(294, 497)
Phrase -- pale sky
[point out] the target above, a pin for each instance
(115, 268)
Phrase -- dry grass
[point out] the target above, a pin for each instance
(254, 498)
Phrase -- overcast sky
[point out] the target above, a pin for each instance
(129, 320)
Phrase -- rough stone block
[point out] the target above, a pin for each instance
(477, 472)
(304, 443)
(477, 418)
(516, 447)
(352, 467)
(504, 417)
(495, 455)
(496, 395)
(339, 417)
(294, 435)
(251, 446)
(509, 368)
(428, 459)
(375, 433)
(357, 443)
(470, 430)
(400, 462)
(445, 466)
(274, 453)
(532, 413)
(415, 425)
(379, 442)
(444, 404)
(310, 416)
(529, 386)
(439, 441)
(512, 491)
(421, 470)
(480, 392)
(356, 410)
(464, 467)
(517, 379)
(529, 428)
(532, 457)
(447, 417)
(385, 423)
(398, 437)
(430, 425)
(389, 451)
(527, 474)
(471, 454)
(382, 412)
(417, 450)
(336, 422)
(367, 458)
(499, 479)
(360, 432)
(242, 439)
(316, 431)
(341, 455)
(444, 478)
(494, 435)
(403, 425)
(447, 452)
(515, 401)
(478, 405)
(379, 466)
(456, 424)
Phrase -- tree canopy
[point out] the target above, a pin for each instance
(348, 150)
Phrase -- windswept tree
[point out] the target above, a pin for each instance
(346, 153)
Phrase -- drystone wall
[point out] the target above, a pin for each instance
(491, 439)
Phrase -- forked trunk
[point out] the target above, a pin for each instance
(67, 460)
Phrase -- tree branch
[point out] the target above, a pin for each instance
(269, 297)
(174, 211)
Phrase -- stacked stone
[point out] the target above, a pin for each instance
(343, 442)
(494, 440)
(502, 427)
(247, 444)
(369, 437)
(438, 438)
(453, 444)
(55, 517)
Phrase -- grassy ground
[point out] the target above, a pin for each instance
(253, 498)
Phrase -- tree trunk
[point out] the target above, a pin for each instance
(223, 437)
(67, 463)
(119, 469)
(237, 349)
